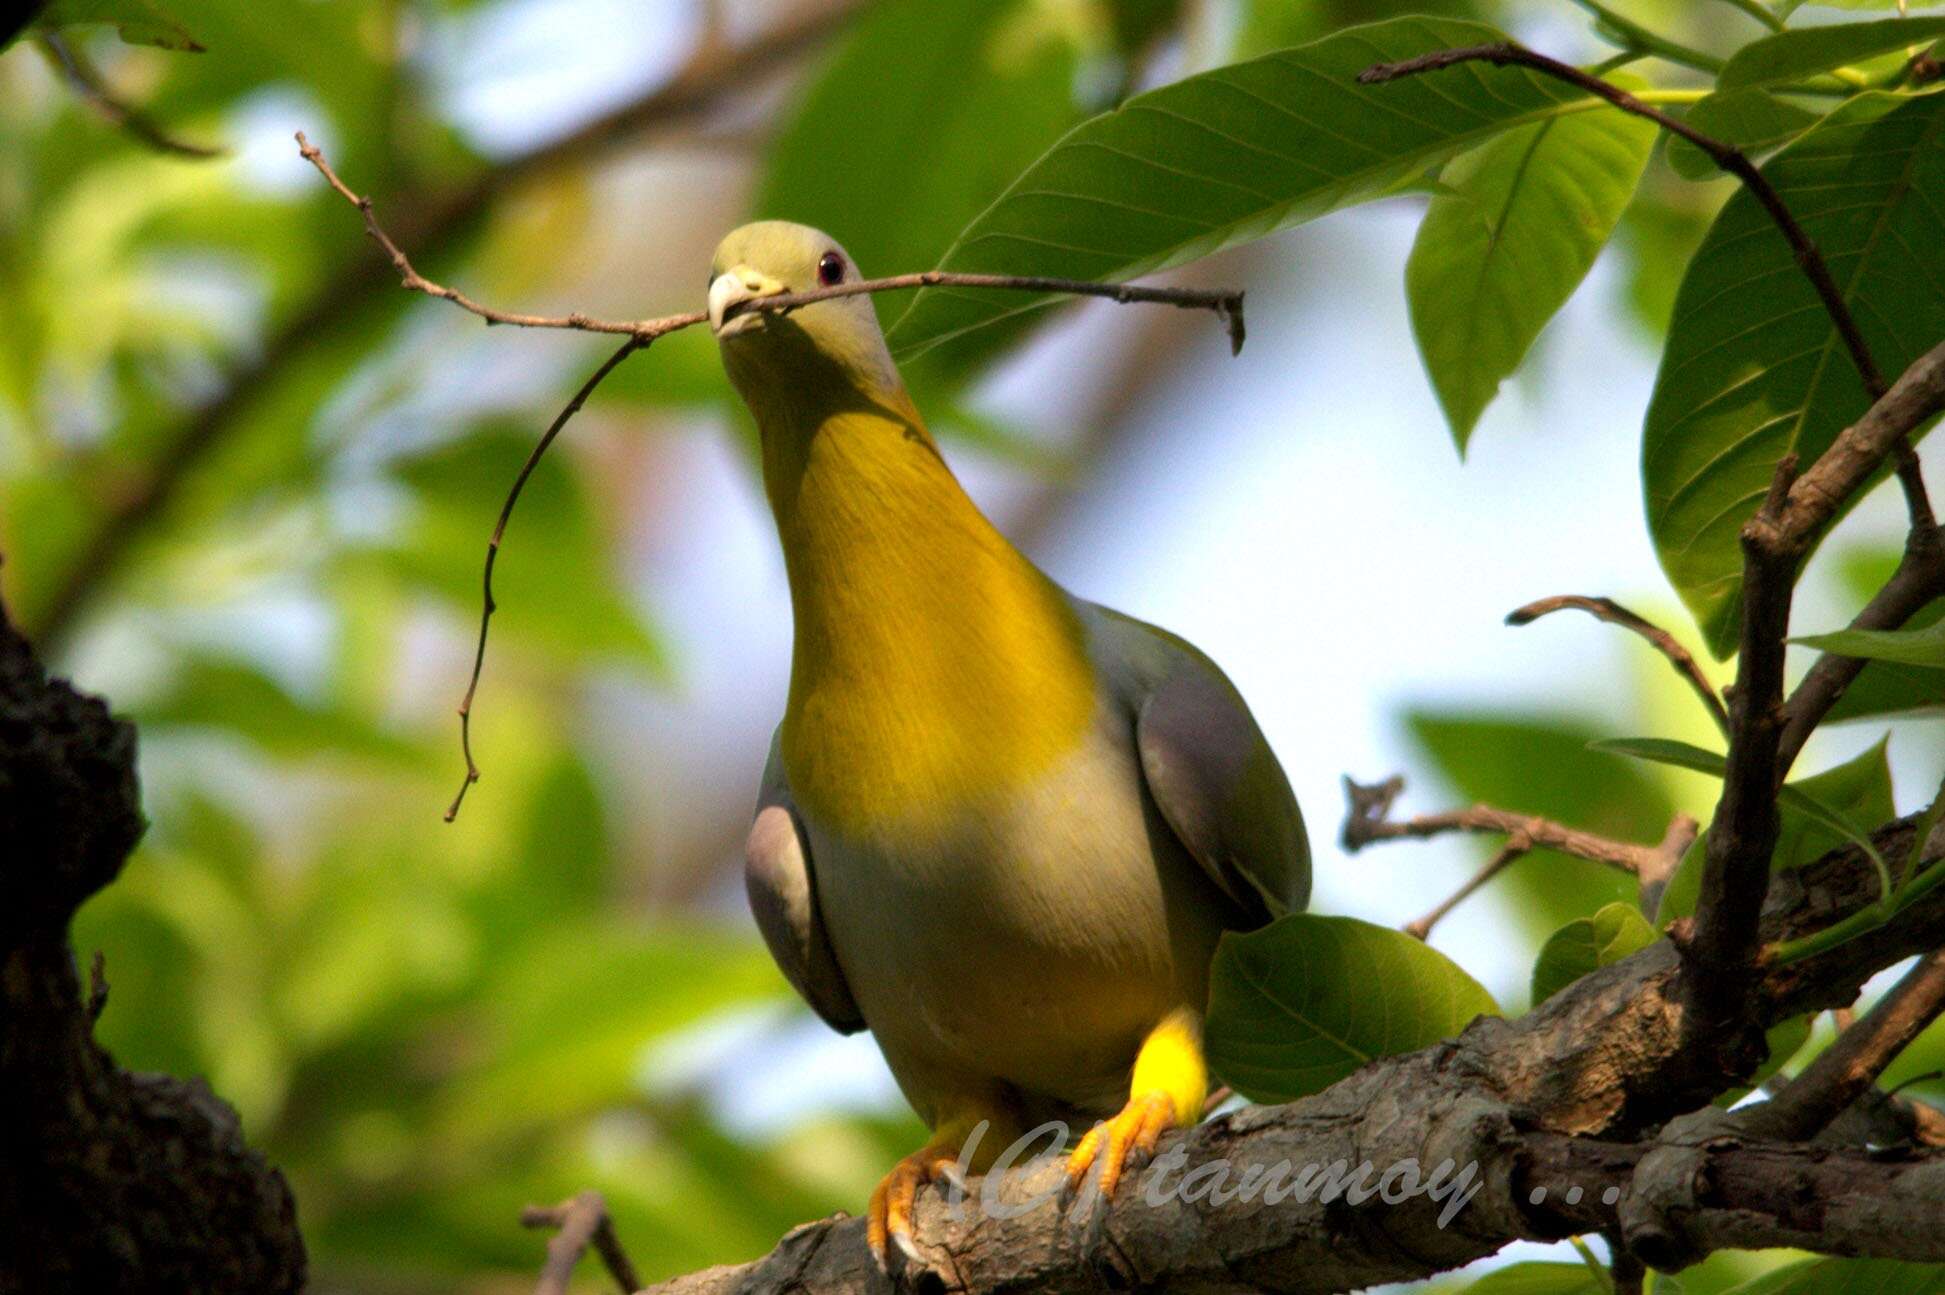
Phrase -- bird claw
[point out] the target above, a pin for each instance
(1121, 1144)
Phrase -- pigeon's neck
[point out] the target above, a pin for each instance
(933, 663)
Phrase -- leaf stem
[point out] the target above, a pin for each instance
(1630, 34)
(1756, 10)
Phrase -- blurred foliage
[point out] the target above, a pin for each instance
(245, 485)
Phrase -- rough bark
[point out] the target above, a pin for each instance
(1548, 1101)
(108, 1180)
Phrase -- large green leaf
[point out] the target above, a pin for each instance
(1806, 51)
(1587, 943)
(1513, 229)
(1922, 646)
(1752, 119)
(1306, 1000)
(1227, 156)
(1754, 368)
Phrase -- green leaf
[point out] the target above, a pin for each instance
(1924, 646)
(1586, 943)
(1753, 120)
(1227, 156)
(1533, 1278)
(1515, 230)
(1857, 791)
(140, 22)
(1303, 1002)
(1753, 368)
(1848, 1277)
(1802, 797)
(1806, 51)
(1887, 687)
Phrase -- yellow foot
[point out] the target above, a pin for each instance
(888, 1221)
(1123, 1143)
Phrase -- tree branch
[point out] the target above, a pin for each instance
(87, 82)
(1367, 821)
(1606, 609)
(1843, 1071)
(579, 1223)
(1522, 1102)
(1226, 303)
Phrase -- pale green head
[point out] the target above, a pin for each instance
(837, 340)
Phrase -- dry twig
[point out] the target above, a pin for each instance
(579, 1223)
(1367, 820)
(1606, 609)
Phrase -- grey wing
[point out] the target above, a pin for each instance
(783, 896)
(1219, 786)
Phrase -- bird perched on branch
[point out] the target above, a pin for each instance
(1001, 827)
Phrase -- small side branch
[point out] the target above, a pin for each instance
(1849, 1067)
(487, 605)
(1368, 821)
(1606, 609)
(87, 81)
(579, 1223)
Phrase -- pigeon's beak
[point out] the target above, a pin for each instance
(736, 285)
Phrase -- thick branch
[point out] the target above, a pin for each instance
(1847, 1068)
(1521, 1101)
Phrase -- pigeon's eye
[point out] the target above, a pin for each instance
(830, 269)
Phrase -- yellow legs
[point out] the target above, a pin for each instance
(1169, 1083)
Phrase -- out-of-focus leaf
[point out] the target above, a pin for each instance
(1306, 1000)
(140, 22)
(1534, 1278)
(1848, 1277)
(1922, 646)
(550, 580)
(893, 166)
(1657, 237)
(1515, 230)
(568, 1014)
(1829, 809)
(1227, 156)
(1806, 51)
(1754, 369)
(1540, 764)
(1752, 119)
(236, 699)
(1586, 943)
